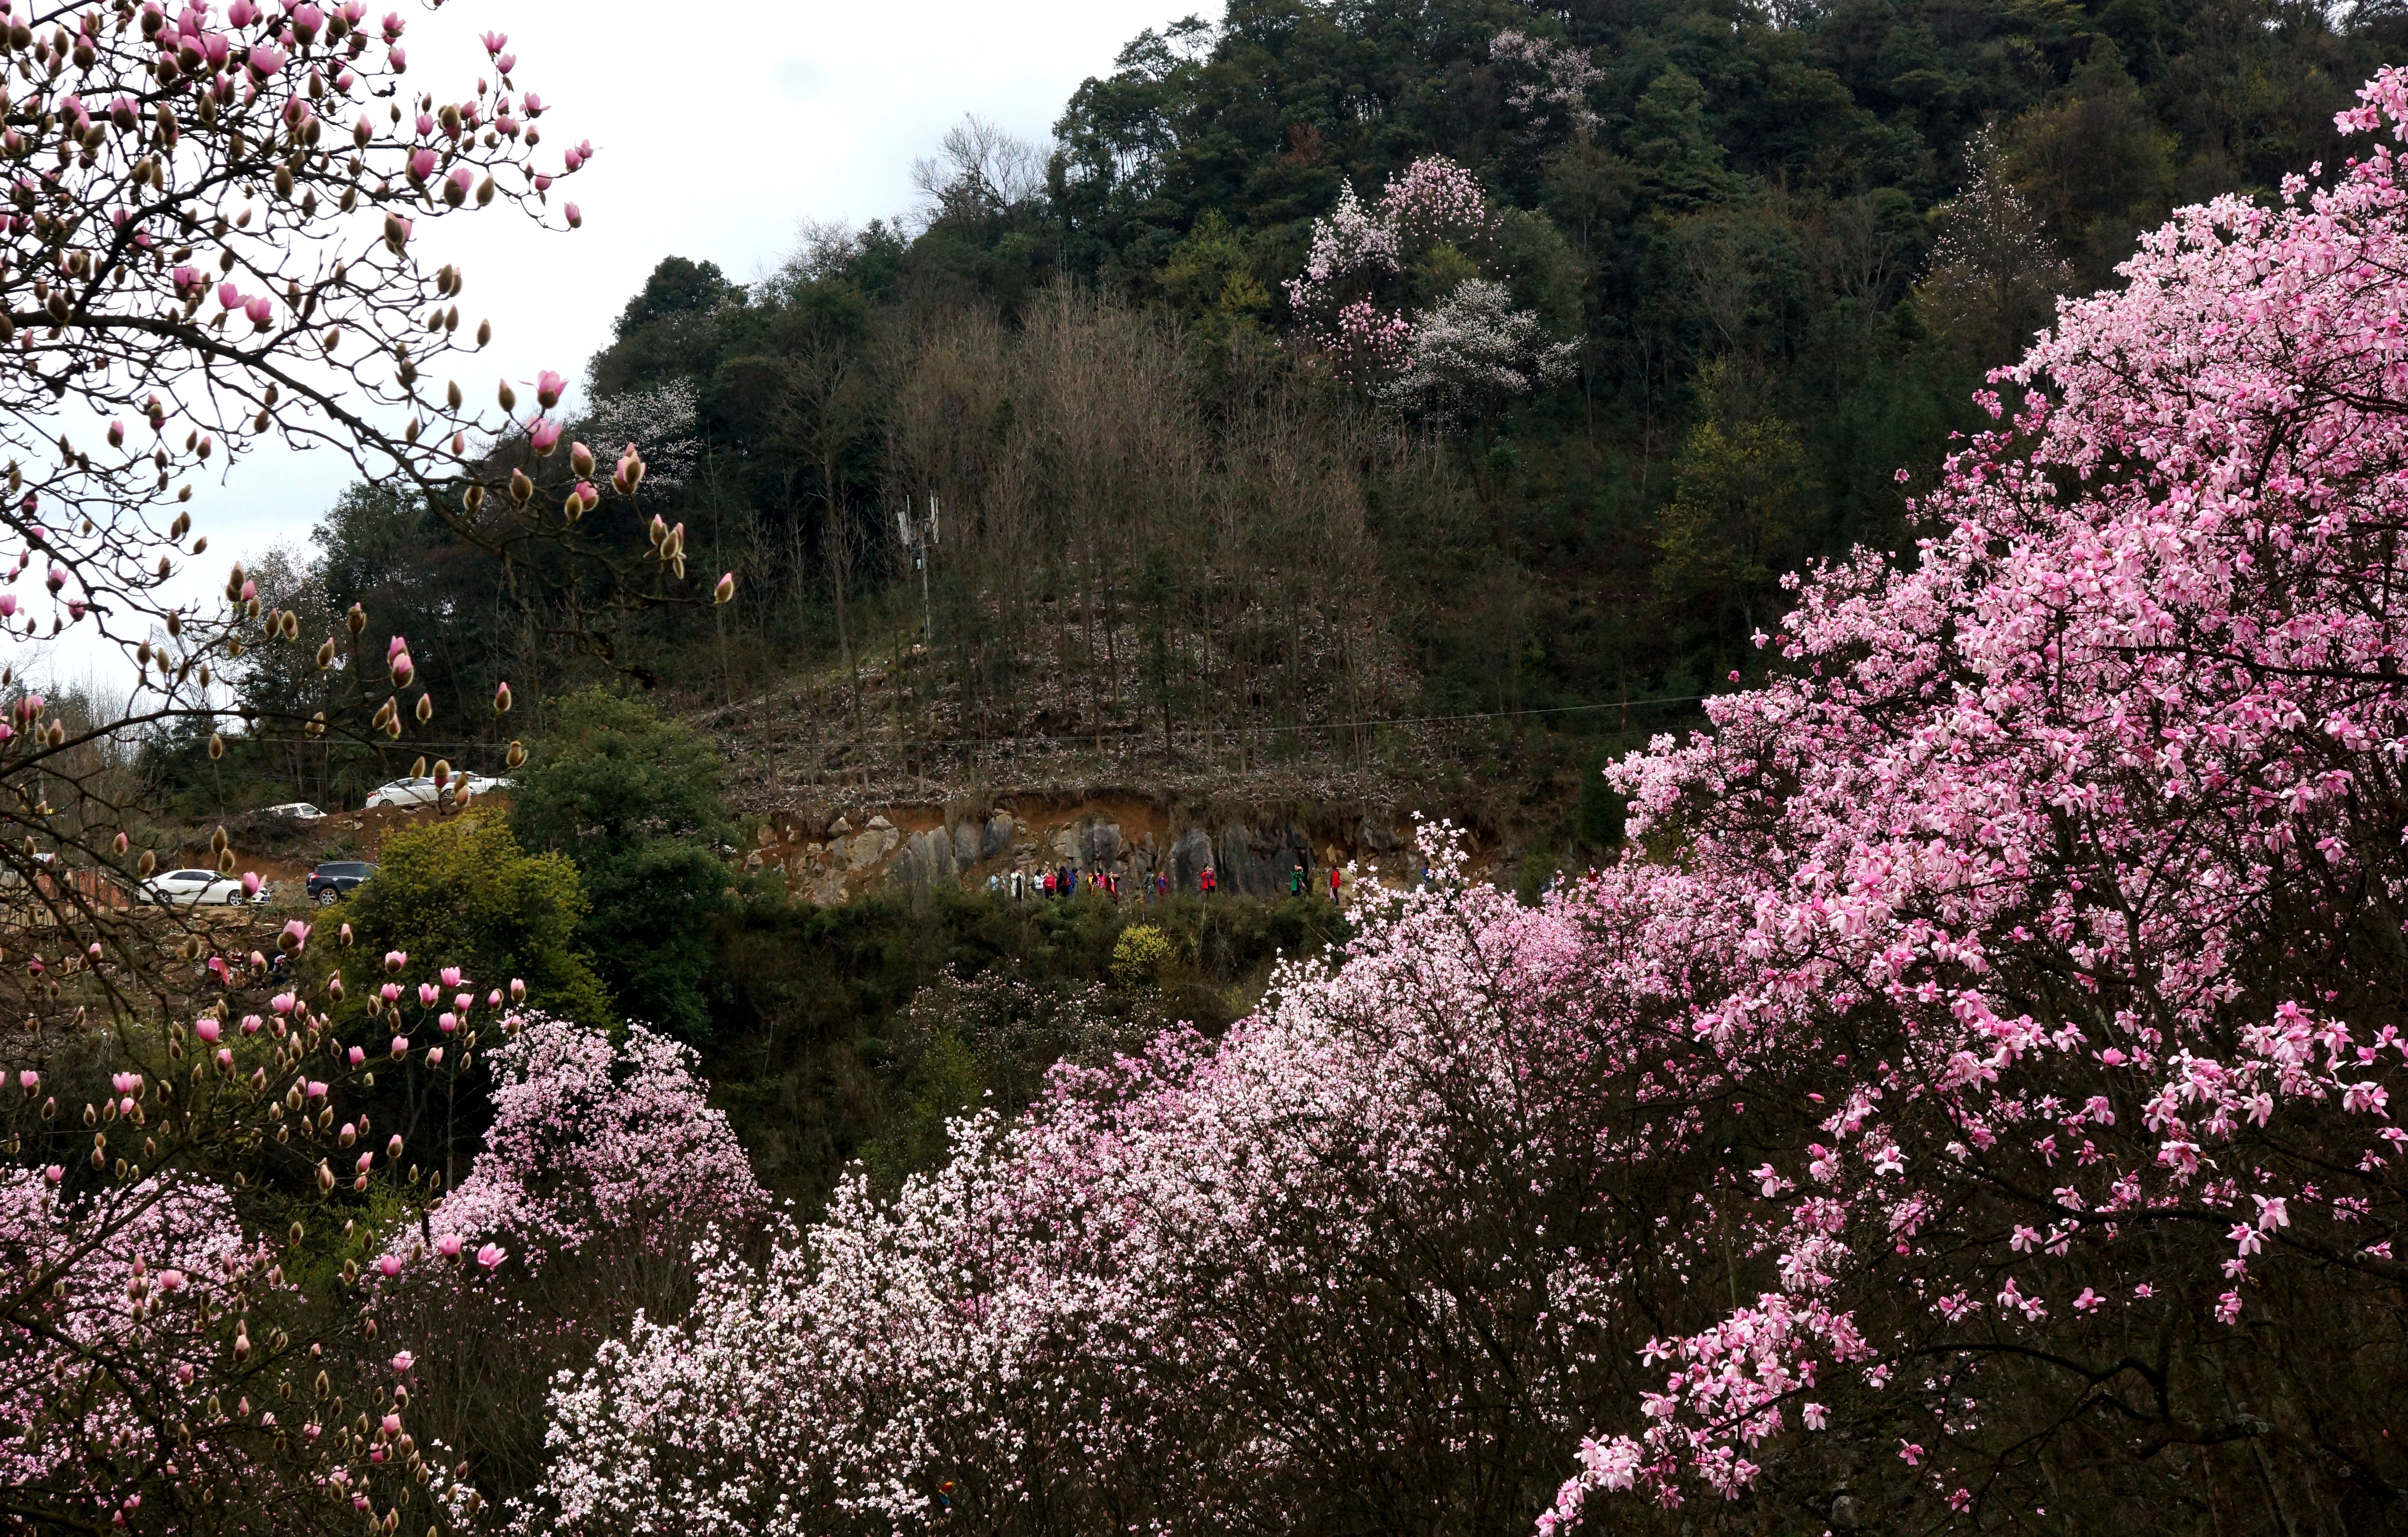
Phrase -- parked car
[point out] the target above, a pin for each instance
(479, 784)
(337, 879)
(300, 811)
(404, 792)
(196, 888)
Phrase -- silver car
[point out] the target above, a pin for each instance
(404, 792)
(196, 888)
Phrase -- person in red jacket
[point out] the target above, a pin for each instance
(1334, 880)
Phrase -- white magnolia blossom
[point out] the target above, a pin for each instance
(1473, 348)
(660, 420)
(1558, 78)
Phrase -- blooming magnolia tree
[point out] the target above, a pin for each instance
(1473, 347)
(602, 1170)
(168, 1366)
(1970, 1105)
(2071, 856)
(1551, 81)
(1442, 355)
(210, 238)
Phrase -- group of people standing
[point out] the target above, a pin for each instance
(1065, 881)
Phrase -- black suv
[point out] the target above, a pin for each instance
(332, 882)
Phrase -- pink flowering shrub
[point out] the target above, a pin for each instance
(1367, 345)
(603, 1168)
(598, 1147)
(1435, 199)
(1346, 1263)
(2067, 865)
(182, 1334)
(136, 1270)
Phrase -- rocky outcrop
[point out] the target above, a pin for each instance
(927, 858)
(1133, 837)
(1190, 854)
(1263, 862)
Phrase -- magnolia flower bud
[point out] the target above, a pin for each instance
(502, 700)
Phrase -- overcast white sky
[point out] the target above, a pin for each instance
(716, 133)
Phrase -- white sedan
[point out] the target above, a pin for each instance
(299, 811)
(404, 792)
(196, 888)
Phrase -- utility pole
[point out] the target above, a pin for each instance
(920, 539)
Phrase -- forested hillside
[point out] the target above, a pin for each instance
(1354, 363)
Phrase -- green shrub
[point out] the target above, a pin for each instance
(463, 893)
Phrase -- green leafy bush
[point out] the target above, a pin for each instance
(464, 893)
